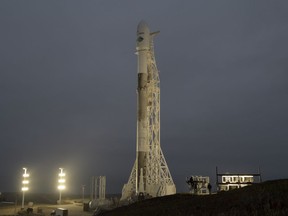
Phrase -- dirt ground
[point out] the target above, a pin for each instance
(264, 199)
(75, 209)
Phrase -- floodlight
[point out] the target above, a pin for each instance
(25, 183)
(61, 182)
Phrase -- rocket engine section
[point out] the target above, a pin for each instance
(142, 47)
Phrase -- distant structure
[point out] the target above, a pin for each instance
(150, 175)
(230, 181)
(199, 185)
(98, 193)
(98, 187)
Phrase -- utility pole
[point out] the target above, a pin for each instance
(83, 193)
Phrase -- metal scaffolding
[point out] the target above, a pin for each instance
(157, 177)
(98, 187)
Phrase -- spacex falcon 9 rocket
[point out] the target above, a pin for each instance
(150, 174)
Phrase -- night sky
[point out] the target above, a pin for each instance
(68, 77)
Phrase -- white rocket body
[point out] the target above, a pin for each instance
(150, 174)
(142, 47)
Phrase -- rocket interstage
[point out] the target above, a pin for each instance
(150, 174)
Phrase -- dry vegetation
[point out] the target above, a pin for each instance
(265, 199)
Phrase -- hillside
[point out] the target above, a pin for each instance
(265, 199)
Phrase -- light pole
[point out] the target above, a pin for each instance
(61, 183)
(83, 192)
(25, 183)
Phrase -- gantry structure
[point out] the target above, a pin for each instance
(157, 177)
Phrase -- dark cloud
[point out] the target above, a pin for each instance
(68, 88)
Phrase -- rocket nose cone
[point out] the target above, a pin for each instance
(143, 27)
(143, 36)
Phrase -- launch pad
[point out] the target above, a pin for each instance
(150, 174)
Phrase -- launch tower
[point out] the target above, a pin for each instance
(150, 174)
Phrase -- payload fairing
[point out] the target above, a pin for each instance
(150, 174)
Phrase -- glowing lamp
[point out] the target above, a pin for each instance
(61, 187)
(61, 183)
(24, 188)
(25, 183)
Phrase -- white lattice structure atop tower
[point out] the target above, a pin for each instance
(153, 178)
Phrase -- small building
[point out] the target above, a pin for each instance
(198, 185)
(60, 212)
(98, 193)
(230, 181)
